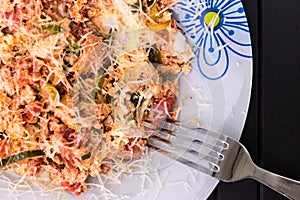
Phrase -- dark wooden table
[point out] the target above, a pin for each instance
(272, 130)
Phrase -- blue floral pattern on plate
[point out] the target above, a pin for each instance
(218, 31)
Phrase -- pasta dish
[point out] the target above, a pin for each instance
(79, 82)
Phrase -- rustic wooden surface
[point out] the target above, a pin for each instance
(272, 130)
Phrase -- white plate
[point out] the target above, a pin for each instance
(218, 89)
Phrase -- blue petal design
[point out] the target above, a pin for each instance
(204, 74)
(214, 48)
(234, 41)
(229, 5)
(237, 17)
(209, 51)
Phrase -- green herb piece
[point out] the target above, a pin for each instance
(86, 156)
(3, 134)
(108, 98)
(74, 49)
(135, 98)
(101, 81)
(65, 67)
(53, 28)
(150, 3)
(135, 6)
(155, 56)
(20, 156)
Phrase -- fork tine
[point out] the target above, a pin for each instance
(193, 144)
(199, 139)
(200, 134)
(197, 148)
(202, 164)
(235, 164)
(177, 148)
(190, 145)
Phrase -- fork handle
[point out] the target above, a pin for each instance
(287, 187)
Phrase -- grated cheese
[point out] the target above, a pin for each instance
(78, 84)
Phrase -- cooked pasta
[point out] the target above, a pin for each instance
(79, 78)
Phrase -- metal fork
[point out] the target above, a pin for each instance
(218, 156)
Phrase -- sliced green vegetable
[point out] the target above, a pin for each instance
(101, 81)
(53, 28)
(86, 156)
(95, 92)
(135, 98)
(65, 67)
(150, 3)
(74, 49)
(130, 118)
(155, 56)
(108, 98)
(36, 87)
(20, 156)
(135, 6)
(3, 134)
